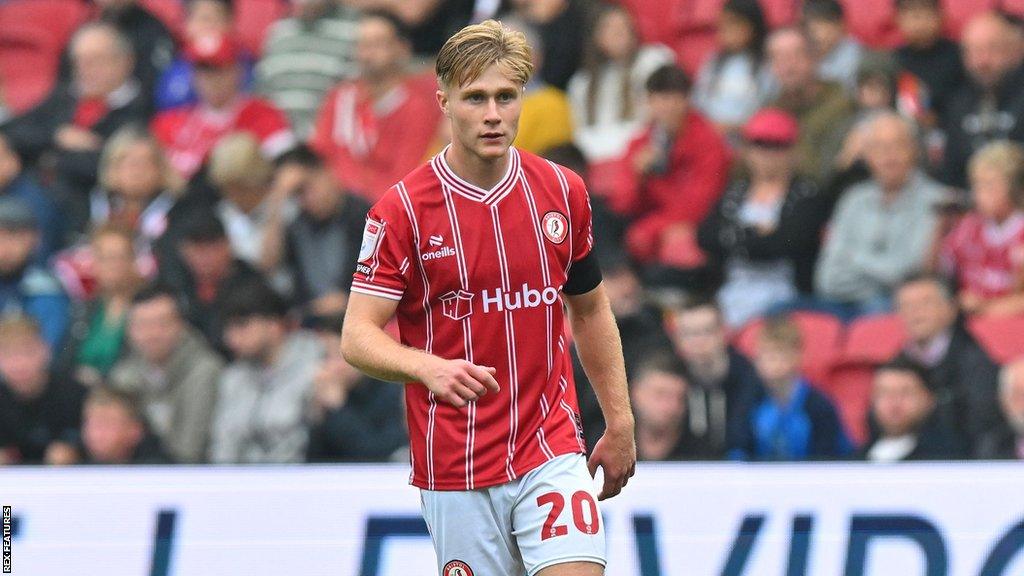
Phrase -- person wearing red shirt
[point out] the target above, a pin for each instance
(190, 132)
(375, 129)
(671, 176)
(985, 252)
(475, 253)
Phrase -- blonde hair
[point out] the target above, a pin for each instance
(469, 52)
(1007, 158)
(236, 160)
(117, 147)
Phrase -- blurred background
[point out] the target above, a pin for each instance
(809, 217)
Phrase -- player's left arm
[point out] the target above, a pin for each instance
(600, 351)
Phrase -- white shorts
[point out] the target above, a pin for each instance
(549, 516)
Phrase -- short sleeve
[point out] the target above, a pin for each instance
(383, 263)
(580, 216)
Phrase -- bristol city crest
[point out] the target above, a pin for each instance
(457, 305)
(555, 226)
(456, 568)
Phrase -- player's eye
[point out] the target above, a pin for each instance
(475, 98)
(506, 97)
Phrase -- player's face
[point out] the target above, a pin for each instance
(484, 113)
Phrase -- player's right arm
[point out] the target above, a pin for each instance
(366, 345)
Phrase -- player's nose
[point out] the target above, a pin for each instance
(491, 115)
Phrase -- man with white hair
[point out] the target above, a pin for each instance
(991, 105)
(882, 228)
(1008, 442)
(70, 126)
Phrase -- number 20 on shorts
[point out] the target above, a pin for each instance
(557, 502)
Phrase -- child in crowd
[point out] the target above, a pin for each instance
(985, 251)
(794, 421)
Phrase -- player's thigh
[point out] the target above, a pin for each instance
(472, 532)
(573, 569)
(557, 520)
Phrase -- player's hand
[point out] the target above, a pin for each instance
(615, 453)
(459, 382)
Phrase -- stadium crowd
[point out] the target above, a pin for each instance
(812, 236)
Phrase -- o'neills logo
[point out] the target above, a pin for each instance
(525, 298)
(442, 253)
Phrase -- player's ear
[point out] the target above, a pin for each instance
(442, 101)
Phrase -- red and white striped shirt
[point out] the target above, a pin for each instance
(478, 275)
(987, 258)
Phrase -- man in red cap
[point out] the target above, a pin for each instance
(765, 232)
(189, 133)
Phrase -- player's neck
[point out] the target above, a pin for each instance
(481, 172)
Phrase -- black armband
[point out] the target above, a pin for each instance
(584, 276)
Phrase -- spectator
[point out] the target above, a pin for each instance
(65, 133)
(985, 252)
(766, 228)
(139, 189)
(1007, 441)
(881, 87)
(562, 28)
(190, 132)
(837, 52)
(172, 371)
(664, 427)
(990, 105)
(641, 329)
(114, 431)
(882, 228)
(208, 275)
(264, 395)
(607, 93)
(734, 82)
(203, 19)
(377, 128)
(304, 56)
(138, 192)
(724, 387)
(323, 241)
(794, 421)
(26, 287)
(672, 176)
(822, 108)
(903, 409)
(18, 182)
(546, 120)
(429, 22)
(926, 53)
(40, 411)
(255, 209)
(960, 372)
(151, 42)
(354, 416)
(96, 337)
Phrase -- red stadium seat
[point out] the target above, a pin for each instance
(849, 386)
(874, 339)
(873, 22)
(1002, 337)
(59, 18)
(822, 336)
(253, 18)
(32, 35)
(27, 66)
